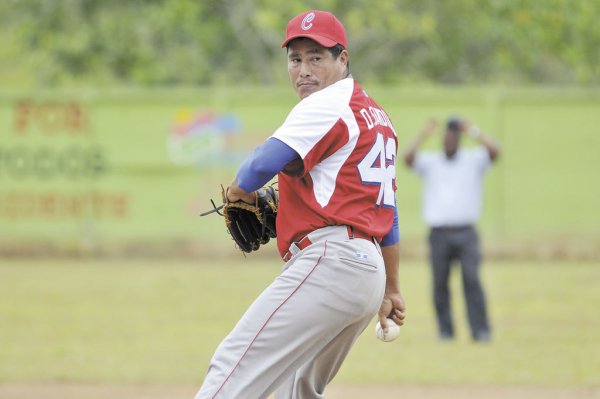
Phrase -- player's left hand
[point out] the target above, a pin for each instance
(252, 224)
(249, 219)
(392, 307)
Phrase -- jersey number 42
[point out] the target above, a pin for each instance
(377, 168)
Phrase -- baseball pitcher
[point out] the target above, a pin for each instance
(334, 216)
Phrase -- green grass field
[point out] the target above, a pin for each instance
(113, 322)
(138, 323)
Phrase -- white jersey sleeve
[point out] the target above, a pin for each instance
(313, 117)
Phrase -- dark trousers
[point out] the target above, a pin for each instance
(447, 244)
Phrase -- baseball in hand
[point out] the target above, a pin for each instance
(392, 333)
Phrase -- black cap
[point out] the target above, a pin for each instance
(454, 124)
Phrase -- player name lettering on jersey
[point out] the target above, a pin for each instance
(376, 117)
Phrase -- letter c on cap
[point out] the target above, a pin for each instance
(306, 22)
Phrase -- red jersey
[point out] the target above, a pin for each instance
(348, 149)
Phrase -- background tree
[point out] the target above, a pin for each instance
(190, 42)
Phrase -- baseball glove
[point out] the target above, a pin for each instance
(251, 225)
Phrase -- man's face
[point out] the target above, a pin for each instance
(451, 142)
(312, 67)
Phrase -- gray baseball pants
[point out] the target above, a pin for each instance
(293, 339)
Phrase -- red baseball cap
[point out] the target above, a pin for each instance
(321, 26)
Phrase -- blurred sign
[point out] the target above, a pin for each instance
(95, 173)
(201, 138)
(49, 162)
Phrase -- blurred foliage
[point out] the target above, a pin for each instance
(192, 42)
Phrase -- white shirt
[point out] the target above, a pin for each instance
(452, 188)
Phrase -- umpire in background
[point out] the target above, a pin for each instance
(452, 195)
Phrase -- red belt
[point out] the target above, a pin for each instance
(306, 242)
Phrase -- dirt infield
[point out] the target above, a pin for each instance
(81, 391)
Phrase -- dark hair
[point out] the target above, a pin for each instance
(336, 51)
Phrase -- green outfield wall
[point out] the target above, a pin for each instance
(128, 171)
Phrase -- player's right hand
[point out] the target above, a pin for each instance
(392, 307)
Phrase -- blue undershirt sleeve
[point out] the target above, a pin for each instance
(393, 236)
(263, 163)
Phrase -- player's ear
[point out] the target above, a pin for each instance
(344, 57)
